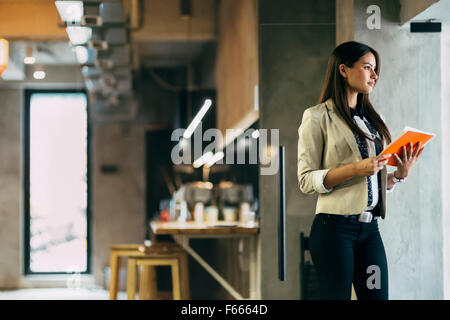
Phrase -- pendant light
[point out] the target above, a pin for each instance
(4, 52)
(38, 72)
(29, 57)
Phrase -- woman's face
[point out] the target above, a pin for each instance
(361, 77)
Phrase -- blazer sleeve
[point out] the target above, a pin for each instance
(309, 157)
(387, 173)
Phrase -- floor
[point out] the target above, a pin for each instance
(58, 294)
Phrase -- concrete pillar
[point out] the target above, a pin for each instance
(345, 28)
(118, 199)
(296, 39)
(11, 225)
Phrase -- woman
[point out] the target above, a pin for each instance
(340, 140)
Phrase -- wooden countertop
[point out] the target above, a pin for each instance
(190, 227)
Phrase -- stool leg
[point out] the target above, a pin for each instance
(147, 283)
(114, 275)
(175, 280)
(184, 275)
(131, 281)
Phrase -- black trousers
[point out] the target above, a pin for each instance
(345, 251)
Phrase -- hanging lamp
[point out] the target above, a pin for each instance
(3, 54)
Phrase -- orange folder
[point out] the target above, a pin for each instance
(404, 138)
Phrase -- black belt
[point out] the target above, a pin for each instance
(364, 217)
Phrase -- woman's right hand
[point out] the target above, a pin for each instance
(363, 168)
(370, 166)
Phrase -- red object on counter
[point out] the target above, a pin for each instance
(165, 215)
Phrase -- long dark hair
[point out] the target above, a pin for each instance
(335, 88)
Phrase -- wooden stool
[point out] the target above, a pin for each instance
(173, 256)
(117, 251)
(148, 276)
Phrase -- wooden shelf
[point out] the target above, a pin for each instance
(221, 227)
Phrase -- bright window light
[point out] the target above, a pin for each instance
(58, 182)
(4, 53)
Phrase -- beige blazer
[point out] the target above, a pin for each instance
(326, 142)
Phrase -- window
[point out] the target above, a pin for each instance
(56, 182)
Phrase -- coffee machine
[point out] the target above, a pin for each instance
(188, 197)
(231, 196)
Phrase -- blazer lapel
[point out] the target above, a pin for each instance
(343, 127)
(383, 191)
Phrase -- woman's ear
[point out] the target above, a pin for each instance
(343, 70)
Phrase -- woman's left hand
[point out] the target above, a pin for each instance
(408, 159)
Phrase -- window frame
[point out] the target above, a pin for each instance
(28, 93)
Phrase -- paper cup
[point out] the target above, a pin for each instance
(229, 214)
(212, 214)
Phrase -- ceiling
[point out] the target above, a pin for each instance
(169, 54)
(439, 11)
(157, 34)
(135, 33)
(46, 53)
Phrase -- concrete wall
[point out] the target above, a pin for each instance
(409, 94)
(118, 201)
(118, 208)
(296, 38)
(441, 12)
(295, 43)
(11, 166)
(161, 21)
(446, 155)
(10, 182)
